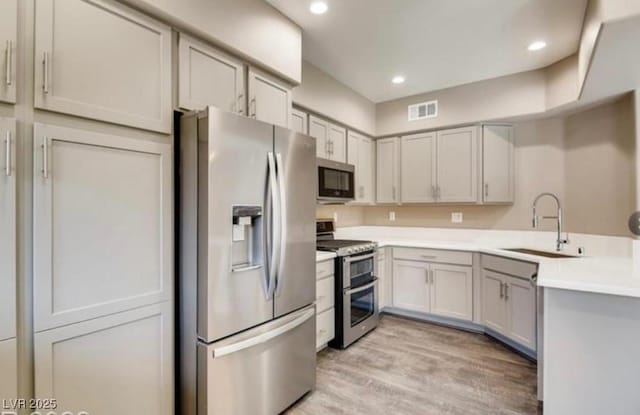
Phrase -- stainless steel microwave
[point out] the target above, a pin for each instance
(336, 182)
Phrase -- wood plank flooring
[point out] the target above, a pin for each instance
(415, 368)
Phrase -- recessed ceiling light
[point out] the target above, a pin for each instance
(319, 7)
(398, 79)
(537, 45)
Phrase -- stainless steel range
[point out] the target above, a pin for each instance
(356, 284)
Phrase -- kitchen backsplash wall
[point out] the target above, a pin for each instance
(584, 158)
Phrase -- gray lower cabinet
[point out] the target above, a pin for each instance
(207, 76)
(101, 60)
(119, 364)
(269, 98)
(8, 48)
(8, 369)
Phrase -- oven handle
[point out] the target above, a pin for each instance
(350, 259)
(364, 287)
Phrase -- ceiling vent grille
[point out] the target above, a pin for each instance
(423, 110)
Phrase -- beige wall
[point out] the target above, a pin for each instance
(600, 168)
(504, 97)
(587, 159)
(263, 36)
(562, 85)
(323, 94)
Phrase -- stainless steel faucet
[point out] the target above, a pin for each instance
(536, 219)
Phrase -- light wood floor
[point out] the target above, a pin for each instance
(409, 367)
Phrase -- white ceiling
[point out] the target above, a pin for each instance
(434, 43)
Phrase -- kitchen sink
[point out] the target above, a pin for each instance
(545, 254)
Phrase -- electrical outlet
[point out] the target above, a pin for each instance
(456, 217)
(335, 217)
(392, 216)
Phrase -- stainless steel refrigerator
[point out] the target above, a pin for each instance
(246, 265)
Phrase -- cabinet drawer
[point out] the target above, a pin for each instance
(325, 294)
(508, 266)
(325, 269)
(325, 327)
(434, 255)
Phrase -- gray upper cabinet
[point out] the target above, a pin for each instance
(101, 60)
(457, 161)
(208, 76)
(361, 153)
(103, 236)
(418, 168)
(319, 129)
(497, 164)
(387, 170)
(299, 121)
(7, 229)
(8, 47)
(337, 143)
(269, 98)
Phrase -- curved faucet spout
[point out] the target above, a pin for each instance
(536, 219)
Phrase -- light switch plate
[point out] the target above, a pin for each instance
(392, 216)
(456, 217)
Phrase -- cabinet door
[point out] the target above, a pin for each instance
(452, 291)
(208, 76)
(418, 168)
(99, 59)
(269, 99)
(457, 165)
(103, 238)
(387, 170)
(319, 129)
(8, 368)
(325, 327)
(382, 285)
(7, 228)
(366, 162)
(337, 143)
(521, 303)
(299, 121)
(120, 364)
(8, 48)
(494, 311)
(498, 170)
(410, 285)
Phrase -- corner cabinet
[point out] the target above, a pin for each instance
(269, 98)
(207, 76)
(498, 172)
(388, 170)
(361, 153)
(8, 48)
(101, 60)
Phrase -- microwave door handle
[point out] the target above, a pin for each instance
(275, 228)
(283, 221)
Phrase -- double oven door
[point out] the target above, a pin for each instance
(359, 296)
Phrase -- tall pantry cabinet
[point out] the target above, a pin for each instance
(103, 209)
(8, 341)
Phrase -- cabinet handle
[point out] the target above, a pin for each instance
(393, 193)
(9, 62)
(506, 291)
(434, 193)
(331, 147)
(501, 290)
(486, 190)
(426, 276)
(533, 279)
(45, 158)
(7, 143)
(438, 192)
(45, 64)
(239, 104)
(253, 107)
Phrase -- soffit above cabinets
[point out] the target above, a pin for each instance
(434, 44)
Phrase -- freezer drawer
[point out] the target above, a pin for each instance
(261, 371)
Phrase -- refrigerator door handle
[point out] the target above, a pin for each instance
(264, 337)
(276, 228)
(283, 222)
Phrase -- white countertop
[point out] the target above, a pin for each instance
(323, 256)
(597, 273)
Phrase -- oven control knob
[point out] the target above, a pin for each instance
(349, 251)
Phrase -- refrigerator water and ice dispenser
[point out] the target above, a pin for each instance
(247, 238)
